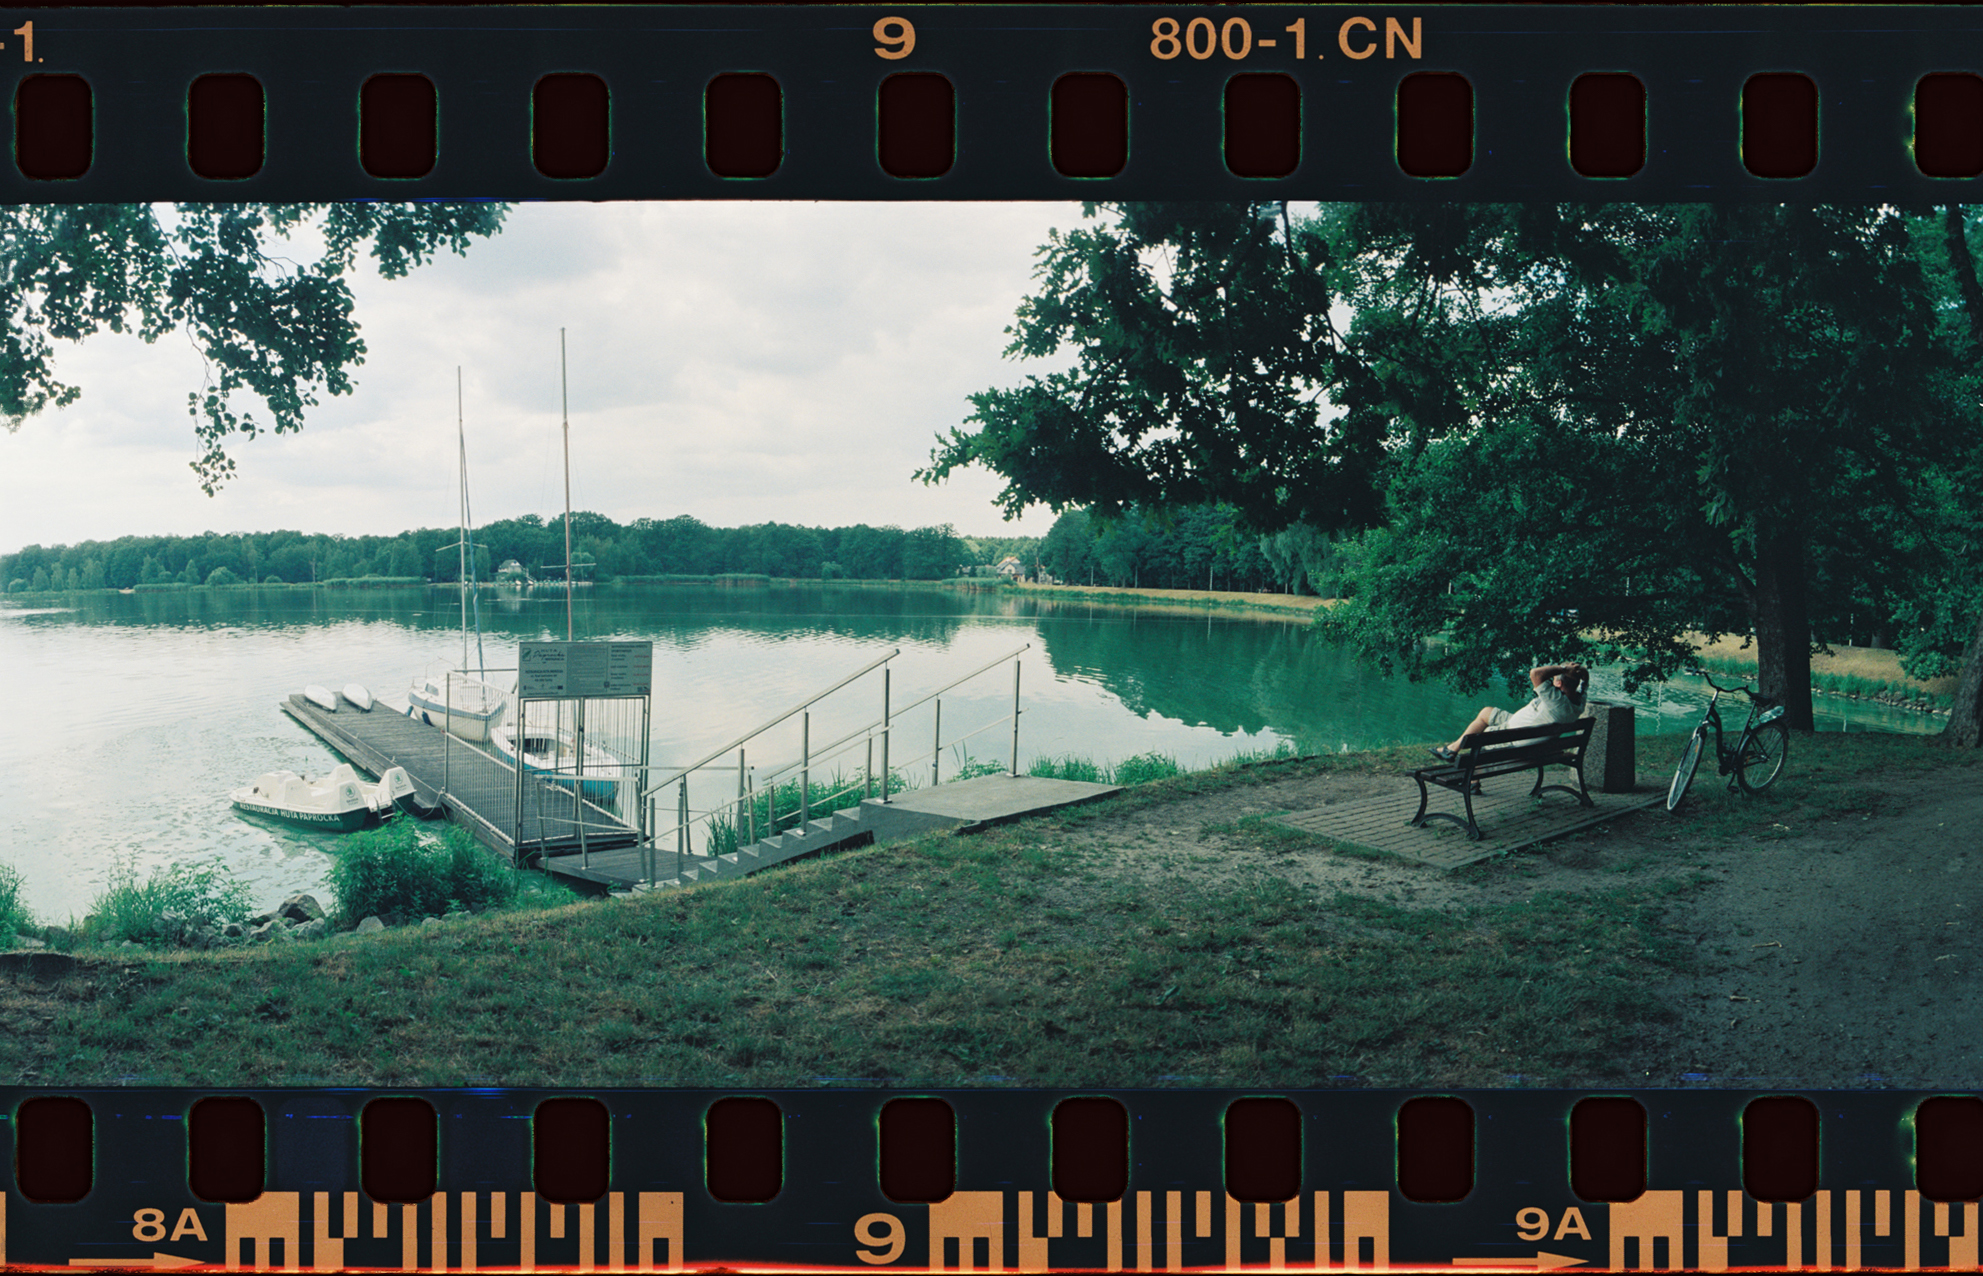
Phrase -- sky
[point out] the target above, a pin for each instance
(738, 362)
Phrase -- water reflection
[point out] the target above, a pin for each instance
(136, 714)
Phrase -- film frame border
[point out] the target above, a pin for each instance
(1864, 156)
(657, 64)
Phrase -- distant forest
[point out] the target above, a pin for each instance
(602, 549)
(1195, 549)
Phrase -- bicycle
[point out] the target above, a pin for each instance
(1758, 756)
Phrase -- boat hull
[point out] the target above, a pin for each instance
(538, 760)
(471, 716)
(322, 821)
(339, 803)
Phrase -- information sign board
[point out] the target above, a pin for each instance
(590, 670)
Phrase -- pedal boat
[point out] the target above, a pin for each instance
(341, 802)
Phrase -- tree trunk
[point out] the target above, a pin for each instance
(1783, 627)
(1965, 728)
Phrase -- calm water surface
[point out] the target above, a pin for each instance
(133, 716)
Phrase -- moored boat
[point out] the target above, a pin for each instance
(461, 704)
(340, 802)
(465, 705)
(396, 789)
(554, 754)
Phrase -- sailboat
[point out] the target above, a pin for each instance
(561, 754)
(465, 705)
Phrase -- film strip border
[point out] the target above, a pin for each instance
(907, 102)
(505, 1179)
(982, 102)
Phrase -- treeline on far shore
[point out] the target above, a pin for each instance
(1194, 549)
(601, 550)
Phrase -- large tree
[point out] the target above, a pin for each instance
(1565, 430)
(264, 322)
(1939, 612)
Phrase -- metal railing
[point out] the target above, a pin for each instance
(741, 812)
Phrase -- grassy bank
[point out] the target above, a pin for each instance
(1186, 599)
(1857, 673)
(1069, 949)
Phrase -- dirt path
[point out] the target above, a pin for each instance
(1846, 956)
(1838, 933)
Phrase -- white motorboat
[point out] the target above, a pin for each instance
(322, 697)
(461, 704)
(359, 697)
(554, 754)
(340, 802)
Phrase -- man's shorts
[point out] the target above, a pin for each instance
(1499, 720)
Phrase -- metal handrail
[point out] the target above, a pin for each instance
(1024, 646)
(827, 749)
(887, 724)
(748, 736)
(735, 805)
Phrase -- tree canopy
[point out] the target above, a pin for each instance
(1550, 431)
(279, 329)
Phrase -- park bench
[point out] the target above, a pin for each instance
(1492, 753)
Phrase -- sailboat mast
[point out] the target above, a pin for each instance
(461, 501)
(564, 408)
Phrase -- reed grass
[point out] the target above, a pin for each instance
(1140, 769)
(127, 909)
(14, 915)
(776, 808)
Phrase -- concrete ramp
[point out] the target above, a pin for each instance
(973, 804)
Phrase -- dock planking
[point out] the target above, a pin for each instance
(481, 789)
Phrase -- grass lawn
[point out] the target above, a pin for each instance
(1052, 952)
(1038, 953)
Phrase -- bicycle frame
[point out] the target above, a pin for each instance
(1728, 759)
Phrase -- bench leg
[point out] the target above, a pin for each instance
(1473, 826)
(1581, 793)
(1423, 794)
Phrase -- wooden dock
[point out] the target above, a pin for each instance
(480, 789)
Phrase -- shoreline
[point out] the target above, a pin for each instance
(920, 944)
(1863, 673)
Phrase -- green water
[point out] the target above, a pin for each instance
(133, 716)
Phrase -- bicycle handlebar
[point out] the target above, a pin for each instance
(1702, 674)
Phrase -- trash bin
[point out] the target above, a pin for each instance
(1611, 763)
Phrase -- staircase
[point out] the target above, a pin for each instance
(838, 829)
(964, 804)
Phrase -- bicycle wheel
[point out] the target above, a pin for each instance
(1683, 775)
(1763, 757)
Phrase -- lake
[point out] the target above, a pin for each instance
(134, 715)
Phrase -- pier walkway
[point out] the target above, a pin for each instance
(481, 789)
(481, 796)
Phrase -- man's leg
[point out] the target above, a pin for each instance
(1478, 725)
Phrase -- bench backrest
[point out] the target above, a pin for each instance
(1529, 746)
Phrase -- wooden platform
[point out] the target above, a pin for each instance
(481, 790)
(1509, 820)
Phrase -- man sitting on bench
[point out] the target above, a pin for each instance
(1559, 697)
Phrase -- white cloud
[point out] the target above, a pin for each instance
(738, 362)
